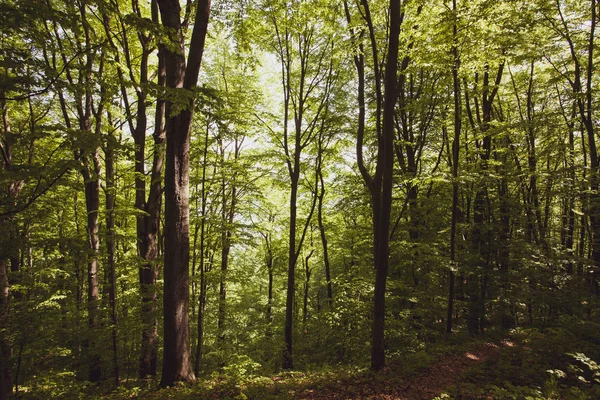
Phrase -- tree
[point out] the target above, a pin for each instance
(149, 207)
(380, 184)
(306, 77)
(455, 159)
(182, 79)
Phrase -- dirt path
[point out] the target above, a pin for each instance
(428, 384)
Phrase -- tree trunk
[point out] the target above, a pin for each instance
(179, 77)
(480, 239)
(202, 294)
(110, 248)
(321, 195)
(5, 349)
(148, 228)
(455, 161)
(270, 287)
(227, 216)
(385, 161)
(289, 301)
(91, 176)
(307, 273)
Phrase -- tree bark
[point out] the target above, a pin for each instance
(5, 349)
(228, 208)
(480, 238)
(379, 185)
(109, 156)
(270, 265)
(183, 79)
(326, 262)
(148, 228)
(307, 274)
(455, 161)
(386, 161)
(202, 294)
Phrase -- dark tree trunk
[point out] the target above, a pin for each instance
(291, 284)
(8, 199)
(148, 228)
(455, 161)
(270, 288)
(385, 161)
(307, 274)
(109, 156)
(202, 294)
(481, 211)
(227, 217)
(293, 146)
(177, 358)
(321, 195)
(91, 176)
(379, 185)
(5, 349)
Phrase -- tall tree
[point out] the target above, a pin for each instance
(79, 39)
(181, 78)
(455, 160)
(306, 76)
(149, 207)
(379, 184)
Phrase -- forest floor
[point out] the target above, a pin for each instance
(395, 382)
(428, 384)
(560, 362)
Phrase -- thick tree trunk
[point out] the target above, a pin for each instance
(177, 357)
(7, 199)
(183, 78)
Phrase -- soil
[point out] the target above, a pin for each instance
(427, 385)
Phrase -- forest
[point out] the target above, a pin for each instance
(281, 199)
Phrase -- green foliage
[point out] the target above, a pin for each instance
(71, 79)
(541, 365)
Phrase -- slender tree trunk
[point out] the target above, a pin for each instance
(91, 175)
(269, 332)
(181, 76)
(324, 240)
(110, 248)
(307, 274)
(227, 216)
(481, 210)
(202, 294)
(148, 242)
(455, 161)
(5, 349)
(291, 284)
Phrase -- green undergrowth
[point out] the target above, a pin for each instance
(554, 363)
(243, 379)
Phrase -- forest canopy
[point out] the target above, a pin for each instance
(249, 187)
